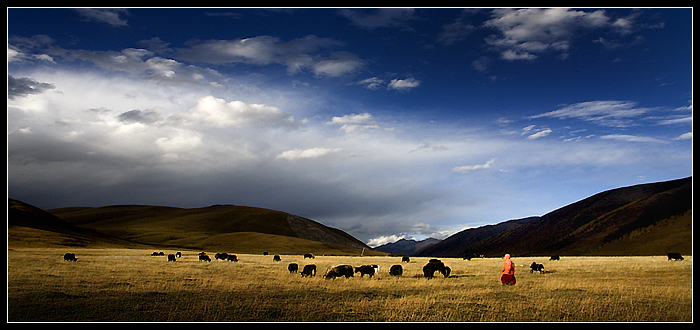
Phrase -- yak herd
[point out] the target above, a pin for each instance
(433, 265)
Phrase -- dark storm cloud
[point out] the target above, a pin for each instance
(19, 87)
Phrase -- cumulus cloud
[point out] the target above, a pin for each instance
(526, 33)
(373, 83)
(403, 84)
(338, 64)
(354, 122)
(297, 54)
(219, 113)
(109, 16)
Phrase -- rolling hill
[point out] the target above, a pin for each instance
(219, 227)
(646, 219)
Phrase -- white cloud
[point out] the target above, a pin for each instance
(219, 113)
(355, 122)
(526, 33)
(297, 54)
(605, 113)
(403, 84)
(373, 83)
(307, 153)
(338, 64)
(632, 138)
(469, 168)
(685, 136)
(108, 16)
(376, 18)
(541, 133)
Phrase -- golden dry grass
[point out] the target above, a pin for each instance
(125, 285)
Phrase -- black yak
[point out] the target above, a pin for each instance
(308, 271)
(366, 269)
(293, 268)
(338, 271)
(396, 270)
(435, 265)
(535, 267)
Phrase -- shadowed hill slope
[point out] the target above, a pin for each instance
(214, 226)
(646, 219)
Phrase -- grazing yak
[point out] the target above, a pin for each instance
(396, 270)
(405, 259)
(675, 256)
(554, 257)
(309, 271)
(276, 258)
(435, 265)
(171, 257)
(366, 269)
(232, 257)
(309, 256)
(535, 267)
(338, 271)
(204, 257)
(293, 268)
(69, 257)
(221, 256)
(155, 254)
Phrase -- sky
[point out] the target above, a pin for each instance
(386, 123)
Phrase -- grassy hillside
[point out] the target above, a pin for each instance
(222, 228)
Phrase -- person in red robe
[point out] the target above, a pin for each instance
(508, 276)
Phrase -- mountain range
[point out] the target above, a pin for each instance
(645, 219)
(407, 247)
(230, 228)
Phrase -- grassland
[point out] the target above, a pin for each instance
(129, 285)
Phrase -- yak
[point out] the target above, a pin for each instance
(232, 257)
(405, 259)
(69, 257)
(554, 257)
(308, 271)
(276, 258)
(366, 269)
(293, 268)
(675, 256)
(171, 257)
(309, 255)
(204, 257)
(535, 267)
(178, 254)
(338, 271)
(434, 265)
(221, 256)
(396, 270)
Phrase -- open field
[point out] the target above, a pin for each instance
(129, 285)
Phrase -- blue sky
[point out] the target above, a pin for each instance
(383, 122)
